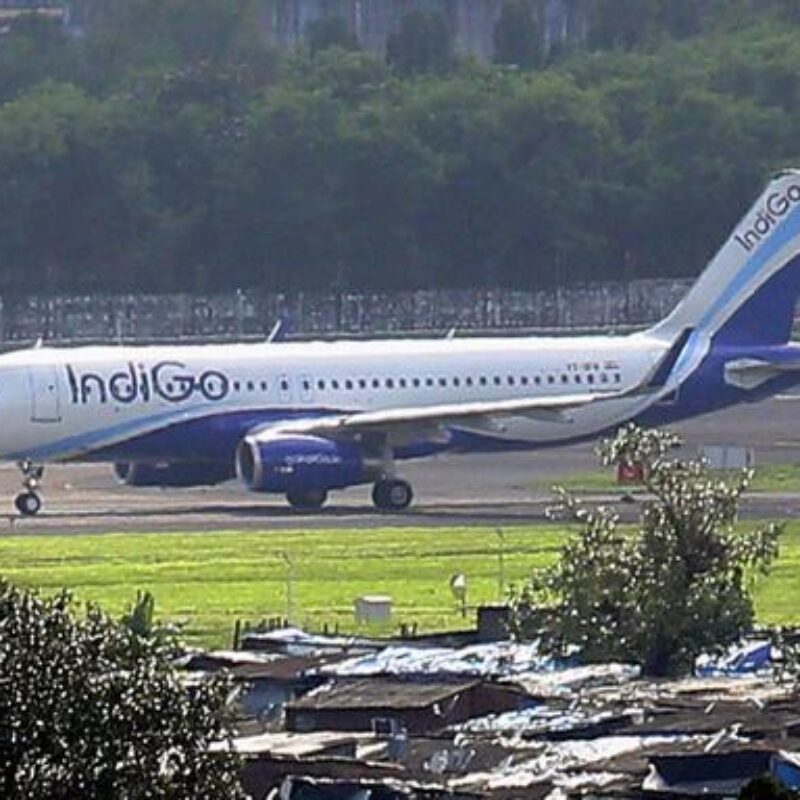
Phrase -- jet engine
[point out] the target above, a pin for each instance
(297, 463)
(172, 474)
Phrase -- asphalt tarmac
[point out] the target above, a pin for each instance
(506, 489)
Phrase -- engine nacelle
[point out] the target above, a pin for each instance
(286, 463)
(136, 473)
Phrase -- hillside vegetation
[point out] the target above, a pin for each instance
(171, 148)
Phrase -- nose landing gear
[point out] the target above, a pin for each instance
(29, 503)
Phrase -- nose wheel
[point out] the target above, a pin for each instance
(29, 503)
(392, 495)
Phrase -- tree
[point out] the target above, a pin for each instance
(518, 36)
(766, 787)
(423, 44)
(71, 191)
(90, 709)
(34, 49)
(622, 23)
(330, 31)
(677, 586)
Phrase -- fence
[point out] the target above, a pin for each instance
(251, 314)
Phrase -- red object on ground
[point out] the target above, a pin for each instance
(630, 473)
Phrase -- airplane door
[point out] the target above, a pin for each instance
(45, 399)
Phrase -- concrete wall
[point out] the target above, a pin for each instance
(252, 314)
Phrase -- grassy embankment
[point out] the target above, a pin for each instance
(209, 580)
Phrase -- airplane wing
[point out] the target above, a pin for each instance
(407, 424)
(423, 421)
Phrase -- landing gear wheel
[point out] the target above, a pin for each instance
(28, 504)
(392, 495)
(310, 500)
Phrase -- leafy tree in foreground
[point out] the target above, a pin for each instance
(89, 709)
(677, 586)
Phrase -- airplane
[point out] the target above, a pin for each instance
(304, 419)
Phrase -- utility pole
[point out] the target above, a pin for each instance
(287, 559)
(501, 563)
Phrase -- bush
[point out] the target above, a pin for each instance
(90, 709)
(678, 585)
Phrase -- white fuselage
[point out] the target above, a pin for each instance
(63, 404)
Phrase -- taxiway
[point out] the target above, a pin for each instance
(498, 489)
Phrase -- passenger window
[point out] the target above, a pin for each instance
(603, 378)
(590, 378)
(524, 380)
(334, 384)
(511, 380)
(617, 378)
(320, 385)
(429, 381)
(469, 381)
(578, 379)
(456, 382)
(389, 383)
(284, 385)
(497, 380)
(551, 379)
(362, 384)
(348, 384)
(402, 383)
(376, 384)
(565, 379)
(483, 380)
(442, 381)
(263, 386)
(416, 383)
(237, 387)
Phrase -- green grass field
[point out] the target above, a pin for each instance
(208, 580)
(768, 478)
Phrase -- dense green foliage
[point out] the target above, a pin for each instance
(676, 587)
(90, 709)
(171, 148)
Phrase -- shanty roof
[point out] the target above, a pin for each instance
(292, 745)
(258, 666)
(498, 659)
(360, 694)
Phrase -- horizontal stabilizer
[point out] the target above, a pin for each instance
(750, 373)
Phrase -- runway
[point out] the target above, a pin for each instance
(450, 490)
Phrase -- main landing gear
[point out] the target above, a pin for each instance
(392, 494)
(388, 494)
(309, 500)
(29, 503)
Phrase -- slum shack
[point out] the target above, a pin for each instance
(414, 706)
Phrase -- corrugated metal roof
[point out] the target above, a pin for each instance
(366, 693)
